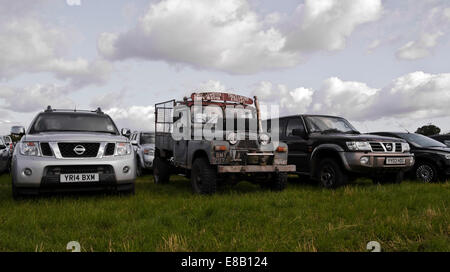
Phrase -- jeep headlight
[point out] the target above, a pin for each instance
(406, 147)
(264, 139)
(29, 148)
(123, 149)
(359, 146)
(232, 138)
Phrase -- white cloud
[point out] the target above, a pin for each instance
(416, 96)
(230, 36)
(37, 97)
(419, 49)
(29, 45)
(326, 24)
(446, 13)
(134, 117)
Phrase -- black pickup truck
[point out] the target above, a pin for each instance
(330, 150)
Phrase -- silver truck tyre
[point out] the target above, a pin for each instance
(331, 175)
(161, 171)
(278, 182)
(138, 167)
(203, 177)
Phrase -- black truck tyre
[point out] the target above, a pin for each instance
(161, 171)
(331, 175)
(278, 182)
(203, 177)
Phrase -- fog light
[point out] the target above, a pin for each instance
(126, 169)
(27, 172)
(364, 160)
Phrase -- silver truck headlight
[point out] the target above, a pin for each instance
(232, 138)
(359, 146)
(406, 147)
(123, 149)
(264, 139)
(29, 148)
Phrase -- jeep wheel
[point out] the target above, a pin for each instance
(278, 182)
(161, 171)
(331, 175)
(426, 172)
(203, 177)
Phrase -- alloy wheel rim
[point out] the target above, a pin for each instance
(425, 173)
(327, 176)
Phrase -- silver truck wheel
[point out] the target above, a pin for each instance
(203, 177)
(278, 182)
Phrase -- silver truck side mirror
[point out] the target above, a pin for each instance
(126, 132)
(18, 130)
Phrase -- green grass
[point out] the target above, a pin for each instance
(406, 217)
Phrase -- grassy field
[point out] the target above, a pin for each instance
(406, 217)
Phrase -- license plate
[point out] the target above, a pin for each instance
(69, 178)
(395, 161)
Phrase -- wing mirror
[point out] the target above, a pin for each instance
(126, 132)
(18, 130)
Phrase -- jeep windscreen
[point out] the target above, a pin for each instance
(419, 140)
(147, 138)
(329, 125)
(73, 122)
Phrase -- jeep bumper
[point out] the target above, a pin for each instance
(255, 168)
(376, 162)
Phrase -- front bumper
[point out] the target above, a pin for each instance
(255, 168)
(376, 163)
(44, 175)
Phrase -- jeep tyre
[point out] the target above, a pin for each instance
(426, 172)
(203, 177)
(331, 174)
(278, 182)
(161, 171)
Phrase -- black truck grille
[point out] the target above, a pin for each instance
(46, 150)
(109, 150)
(68, 150)
(377, 147)
(386, 147)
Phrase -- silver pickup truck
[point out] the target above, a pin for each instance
(68, 150)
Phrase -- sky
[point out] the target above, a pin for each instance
(382, 64)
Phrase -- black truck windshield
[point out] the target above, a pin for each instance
(326, 124)
(420, 140)
(73, 122)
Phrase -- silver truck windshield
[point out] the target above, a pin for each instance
(325, 124)
(73, 122)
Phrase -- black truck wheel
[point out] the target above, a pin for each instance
(426, 172)
(203, 177)
(161, 171)
(278, 182)
(331, 175)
